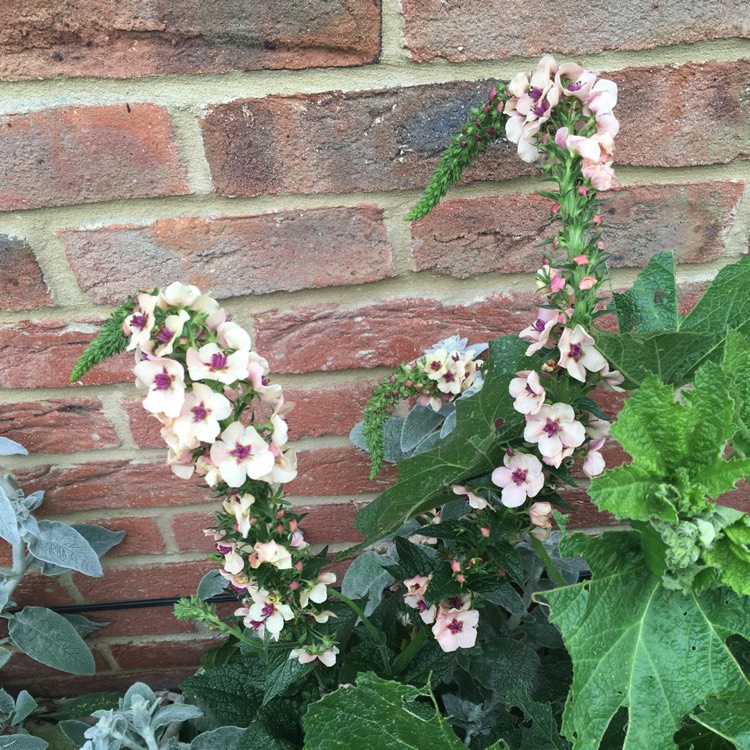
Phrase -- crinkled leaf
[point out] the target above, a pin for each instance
(545, 734)
(727, 718)
(377, 715)
(473, 448)
(638, 646)
(366, 578)
(650, 305)
(503, 665)
(25, 706)
(212, 584)
(628, 492)
(731, 555)
(284, 673)
(22, 742)
(50, 639)
(257, 736)
(226, 738)
(737, 365)
(8, 520)
(506, 597)
(10, 447)
(60, 544)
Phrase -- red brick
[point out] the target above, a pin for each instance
(59, 157)
(284, 251)
(671, 116)
(144, 427)
(188, 530)
(133, 583)
(41, 354)
(465, 237)
(150, 654)
(37, 590)
(58, 425)
(326, 411)
(69, 686)
(142, 535)
(302, 339)
(22, 666)
(142, 621)
(110, 484)
(330, 524)
(344, 142)
(337, 471)
(489, 29)
(22, 286)
(123, 39)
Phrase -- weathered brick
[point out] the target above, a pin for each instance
(234, 256)
(344, 142)
(671, 116)
(491, 29)
(149, 654)
(465, 237)
(22, 666)
(128, 38)
(109, 484)
(22, 286)
(59, 157)
(142, 621)
(41, 354)
(396, 330)
(58, 425)
(337, 471)
(188, 530)
(144, 427)
(36, 589)
(137, 582)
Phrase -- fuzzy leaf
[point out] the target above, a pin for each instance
(731, 554)
(650, 305)
(10, 447)
(419, 423)
(637, 646)
(22, 742)
(83, 625)
(226, 738)
(366, 578)
(473, 448)
(175, 712)
(212, 584)
(377, 715)
(628, 492)
(25, 705)
(284, 673)
(50, 639)
(8, 520)
(60, 544)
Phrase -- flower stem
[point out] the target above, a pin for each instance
(404, 658)
(553, 572)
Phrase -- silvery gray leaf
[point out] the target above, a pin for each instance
(8, 521)
(34, 500)
(100, 539)
(366, 577)
(392, 440)
(175, 712)
(10, 447)
(226, 738)
(22, 742)
(426, 444)
(420, 422)
(357, 436)
(83, 625)
(138, 688)
(7, 704)
(25, 705)
(212, 584)
(448, 426)
(60, 544)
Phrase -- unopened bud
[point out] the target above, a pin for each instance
(491, 132)
(299, 565)
(478, 138)
(254, 521)
(485, 531)
(294, 585)
(280, 513)
(280, 528)
(293, 525)
(455, 566)
(555, 208)
(408, 383)
(492, 95)
(462, 143)
(487, 108)
(598, 219)
(583, 190)
(460, 578)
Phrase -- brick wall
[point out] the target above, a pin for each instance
(267, 151)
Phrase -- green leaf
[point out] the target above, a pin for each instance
(226, 738)
(474, 447)
(74, 730)
(731, 555)
(504, 664)
(50, 639)
(628, 492)
(25, 706)
(545, 734)
(75, 708)
(22, 742)
(638, 646)
(83, 625)
(60, 544)
(284, 673)
(736, 364)
(377, 715)
(727, 718)
(230, 693)
(650, 305)
(366, 578)
(212, 584)
(257, 736)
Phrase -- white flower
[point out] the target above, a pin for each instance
(527, 391)
(521, 477)
(456, 629)
(165, 380)
(241, 453)
(554, 428)
(211, 363)
(578, 353)
(201, 413)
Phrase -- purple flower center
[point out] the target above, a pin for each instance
(435, 365)
(577, 86)
(256, 624)
(224, 549)
(535, 93)
(165, 335)
(199, 412)
(456, 626)
(267, 611)
(241, 452)
(218, 361)
(456, 356)
(455, 602)
(575, 352)
(163, 380)
(541, 108)
(265, 381)
(519, 476)
(449, 377)
(530, 390)
(552, 427)
(421, 605)
(139, 321)
(237, 589)
(539, 325)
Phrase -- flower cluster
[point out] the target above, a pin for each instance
(223, 420)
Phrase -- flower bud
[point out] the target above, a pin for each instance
(598, 220)
(455, 566)
(583, 190)
(485, 531)
(492, 95)
(294, 585)
(581, 260)
(299, 565)
(280, 514)
(460, 578)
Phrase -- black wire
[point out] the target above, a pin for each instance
(73, 609)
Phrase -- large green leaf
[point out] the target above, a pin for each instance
(737, 365)
(473, 448)
(377, 715)
(653, 340)
(635, 645)
(727, 718)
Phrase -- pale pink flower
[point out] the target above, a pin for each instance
(602, 98)
(595, 427)
(612, 379)
(601, 174)
(539, 331)
(284, 467)
(587, 282)
(201, 413)
(527, 391)
(541, 518)
(138, 325)
(205, 468)
(581, 260)
(434, 364)
(317, 592)
(578, 353)
(593, 464)
(280, 433)
(274, 554)
(269, 611)
(554, 428)
(241, 453)
(549, 280)
(181, 463)
(233, 561)
(178, 295)
(165, 380)
(169, 333)
(211, 363)
(233, 336)
(558, 458)
(456, 629)
(433, 402)
(239, 507)
(414, 598)
(459, 601)
(325, 655)
(475, 501)
(521, 477)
